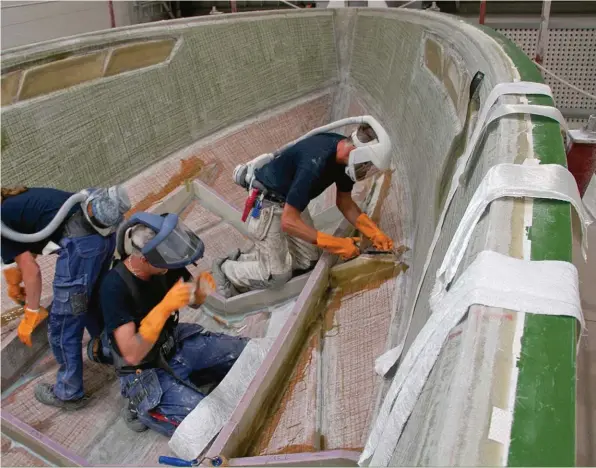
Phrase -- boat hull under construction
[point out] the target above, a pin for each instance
(169, 109)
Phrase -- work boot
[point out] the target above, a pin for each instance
(224, 285)
(44, 393)
(131, 419)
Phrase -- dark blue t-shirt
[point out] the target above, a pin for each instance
(30, 212)
(303, 171)
(117, 302)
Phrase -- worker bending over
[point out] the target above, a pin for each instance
(83, 225)
(281, 187)
(158, 359)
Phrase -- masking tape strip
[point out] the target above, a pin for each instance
(493, 280)
(500, 425)
(387, 360)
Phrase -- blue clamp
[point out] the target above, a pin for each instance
(173, 461)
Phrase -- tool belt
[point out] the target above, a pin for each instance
(274, 197)
(267, 193)
(78, 226)
(256, 196)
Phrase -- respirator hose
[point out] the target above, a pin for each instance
(51, 227)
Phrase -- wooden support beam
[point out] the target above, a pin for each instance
(253, 406)
(176, 201)
(254, 300)
(366, 268)
(17, 358)
(210, 199)
(324, 458)
(38, 443)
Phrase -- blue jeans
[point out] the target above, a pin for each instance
(82, 261)
(197, 350)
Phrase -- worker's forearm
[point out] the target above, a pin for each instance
(138, 350)
(350, 210)
(142, 341)
(32, 280)
(293, 224)
(301, 230)
(133, 347)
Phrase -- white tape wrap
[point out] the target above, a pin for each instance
(494, 280)
(510, 180)
(486, 116)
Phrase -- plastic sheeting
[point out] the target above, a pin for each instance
(204, 422)
(590, 198)
(494, 280)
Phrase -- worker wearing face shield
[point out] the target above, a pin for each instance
(163, 365)
(285, 241)
(83, 226)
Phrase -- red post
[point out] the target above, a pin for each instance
(581, 154)
(542, 41)
(112, 16)
(233, 5)
(482, 11)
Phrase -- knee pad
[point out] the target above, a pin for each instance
(96, 352)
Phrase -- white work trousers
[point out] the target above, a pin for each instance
(275, 255)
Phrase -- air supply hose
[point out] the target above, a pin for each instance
(51, 227)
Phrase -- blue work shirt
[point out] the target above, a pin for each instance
(117, 301)
(30, 212)
(304, 170)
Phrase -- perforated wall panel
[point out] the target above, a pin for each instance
(525, 39)
(571, 55)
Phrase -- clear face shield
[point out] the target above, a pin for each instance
(360, 165)
(178, 249)
(174, 244)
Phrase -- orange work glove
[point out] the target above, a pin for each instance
(177, 297)
(345, 247)
(30, 322)
(379, 239)
(205, 286)
(16, 292)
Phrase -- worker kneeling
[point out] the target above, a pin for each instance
(156, 357)
(281, 187)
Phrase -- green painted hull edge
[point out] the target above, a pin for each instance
(543, 431)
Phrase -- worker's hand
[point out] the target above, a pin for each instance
(30, 322)
(380, 240)
(345, 247)
(204, 287)
(16, 292)
(177, 297)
